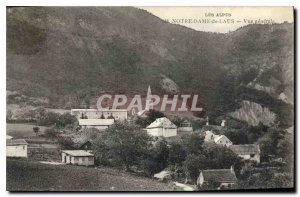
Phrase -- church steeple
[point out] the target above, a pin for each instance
(149, 100)
(149, 91)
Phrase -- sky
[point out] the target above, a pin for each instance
(221, 19)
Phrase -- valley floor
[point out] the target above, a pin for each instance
(25, 175)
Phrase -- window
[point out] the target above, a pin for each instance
(76, 159)
(23, 147)
(90, 158)
(252, 155)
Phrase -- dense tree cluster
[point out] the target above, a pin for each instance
(127, 145)
(43, 117)
(152, 115)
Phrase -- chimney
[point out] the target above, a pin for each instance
(207, 119)
(231, 170)
(223, 123)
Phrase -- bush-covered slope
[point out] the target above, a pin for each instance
(72, 54)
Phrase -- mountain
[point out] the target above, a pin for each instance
(73, 54)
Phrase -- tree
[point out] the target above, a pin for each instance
(124, 144)
(177, 121)
(149, 166)
(272, 144)
(66, 143)
(152, 115)
(177, 153)
(47, 118)
(197, 124)
(111, 116)
(161, 153)
(9, 115)
(237, 136)
(36, 130)
(142, 122)
(82, 116)
(51, 132)
(265, 178)
(156, 159)
(102, 116)
(65, 119)
(192, 166)
(255, 132)
(219, 157)
(193, 143)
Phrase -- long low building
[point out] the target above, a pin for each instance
(16, 148)
(222, 178)
(77, 157)
(247, 151)
(117, 114)
(96, 123)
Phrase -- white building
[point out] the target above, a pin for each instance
(16, 148)
(185, 126)
(77, 157)
(8, 137)
(95, 123)
(223, 178)
(223, 123)
(247, 151)
(222, 140)
(217, 139)
(118, 114)
(162, 127)
(209, 136)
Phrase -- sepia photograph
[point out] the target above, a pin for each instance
(150, 99)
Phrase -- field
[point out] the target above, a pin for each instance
(39, 148)
(25, 175)
(22, 130)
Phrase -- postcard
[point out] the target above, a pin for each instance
(150, 99)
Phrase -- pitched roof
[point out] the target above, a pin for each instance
(142, 112)
(82, 144)
(8, 137)
(96, 122)
(78, 153)
(219, 175)
(186, 121)
(245, 149)
(208, 132)
(215, 138)
(218, 137)
(11, 142)
(163, 174)
(162, 123)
